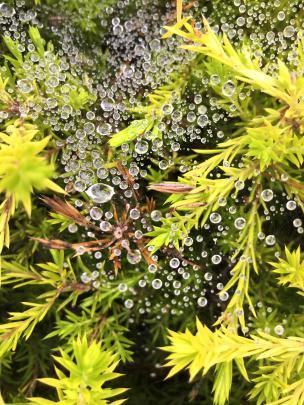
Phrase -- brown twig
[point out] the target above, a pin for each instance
(67, 210)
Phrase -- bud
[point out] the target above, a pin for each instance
(171, 187)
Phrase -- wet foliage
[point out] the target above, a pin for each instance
(152, 197)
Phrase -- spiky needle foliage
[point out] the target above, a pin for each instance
(22, 170)
(87, 374)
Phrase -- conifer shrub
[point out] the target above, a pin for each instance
(152, 198)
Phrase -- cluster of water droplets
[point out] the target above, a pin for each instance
(138, 62)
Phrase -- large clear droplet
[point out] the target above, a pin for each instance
(100, 192)
(267, 194)
(228, 89)
(202, 301)
(157, 283)
(134, 257)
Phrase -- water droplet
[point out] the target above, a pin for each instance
(240, 21)
(224, 296)
(134, 213)
(94, 274)
(198, 99)
(156, 215)
(89, 127)
(202, 120)
(102, 173)
(167, 109)
(279, 330)
(270, 240)
(202, 301)
(152, 268)
(85, 278)
(222, 201)
(155, 45)
(188, 241)
(191, 116)
(288, 31)
(122, 287)
(157, 283)
(96, 284)
(228, 89)
(291, 205)
(100, 192)
(107, 105)
(129, 303)
(216, 259)
(267, 195)
(215, 80)
(142, 283)
(138, 234)
(79, 186)
(25, 86)
(134, 256)
(215, 218)
(118, 29)
(96, 213)
(6, 10)
(105, 226)
(240, 223)
(174, 263)
(141, 147)
(104, 129)
(202, 109)
(239, 184)
(72, 228)
(297, 222)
